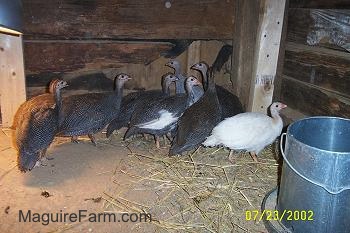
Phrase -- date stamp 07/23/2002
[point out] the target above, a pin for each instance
(275, 215)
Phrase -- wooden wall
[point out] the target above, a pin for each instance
(316, 71)
(94, 39)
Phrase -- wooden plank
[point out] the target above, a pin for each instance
(324, 4)
(12, 83)
(63, 56)
(266, 56)
(151, 19)
(313, 100)
(326, 68)
(324, 28)
(245, 36)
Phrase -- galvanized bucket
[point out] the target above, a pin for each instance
(314, 192)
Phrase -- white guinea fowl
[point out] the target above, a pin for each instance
(250, 131)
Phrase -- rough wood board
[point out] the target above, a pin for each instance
(325, 68)
(245, 34)
(62, 56)
(200, 19)
(12, 83)
(313, 100)
(325, 4)
(266, 56)
(323, 28)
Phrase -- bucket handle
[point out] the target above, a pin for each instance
(330, 190)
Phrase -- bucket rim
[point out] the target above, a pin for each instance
(317, 117)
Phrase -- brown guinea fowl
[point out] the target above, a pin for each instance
(36, 124)
(195, 125)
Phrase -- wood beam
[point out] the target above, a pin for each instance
(12, 82)
(266, 56)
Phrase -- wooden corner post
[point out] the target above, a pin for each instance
(257, 38)
(12, 79)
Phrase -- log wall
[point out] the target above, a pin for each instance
(88, 42)
(316, 70)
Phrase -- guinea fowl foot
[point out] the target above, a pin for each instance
(92, 138)
(74, 139)
(253, 155)
(231, 158)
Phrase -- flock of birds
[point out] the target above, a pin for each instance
(199, 113)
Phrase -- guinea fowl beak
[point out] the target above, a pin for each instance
(194, 67)
(283, 106)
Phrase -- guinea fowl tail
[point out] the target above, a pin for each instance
(114, 125)
(26, 160)
(210, 141)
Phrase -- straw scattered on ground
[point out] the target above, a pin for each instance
(199, 192)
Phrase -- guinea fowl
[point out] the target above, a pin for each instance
(36, 126)
(137, 100)
(160, 117)
(197, 121)
(91, 112)
(230, 104)
(250, 131)
(197, 91)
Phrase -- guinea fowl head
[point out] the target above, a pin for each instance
(175, 65)
(168, 78)
(121, 79)
(192, 81)
(200, 66)
(276, 107)
(57, 84)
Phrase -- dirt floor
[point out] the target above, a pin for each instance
(200, 192)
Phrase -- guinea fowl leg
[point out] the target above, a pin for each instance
(145, 136)
(253, 155)
(231, 158)
(92, 138)
(74, 139)
(156, 138)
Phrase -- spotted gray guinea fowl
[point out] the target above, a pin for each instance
(89, 113)
(230, 104)
(137, 100)
(195, 125)
(36, 124)
(160, 118)
(197, 91)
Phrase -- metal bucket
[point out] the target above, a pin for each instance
(314, 192)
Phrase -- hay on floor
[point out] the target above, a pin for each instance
(199, 192)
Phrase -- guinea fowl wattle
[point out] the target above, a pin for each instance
(250, 131)
(36, 123)
(230, 104)
(160, 117)
(137, 100)
(89, 113)
(197, 121)
(197, 91)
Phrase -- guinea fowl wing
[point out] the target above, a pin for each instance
(244, 131)
(230, 104)
(83, 113)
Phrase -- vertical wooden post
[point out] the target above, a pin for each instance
(12, 79)
(256, 45)
(247, 17)
(266, 56)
